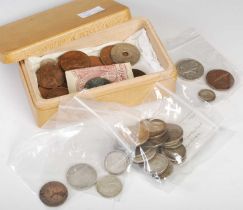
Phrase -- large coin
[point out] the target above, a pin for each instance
(53, 194)
(177, 155)
(125, 53)
(96, 82)
(190, 69)
(138, 73)
(73, 60)
(116, 162)
(220, 79)
(105, 55)
(81, 176)
(109, 186)
(95, 61)
(207, 95)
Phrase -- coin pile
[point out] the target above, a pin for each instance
(163, 148)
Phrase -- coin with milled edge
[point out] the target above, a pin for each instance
(167, 172)
(177, 155)
(105, 55)
(207, 95)
(81, 176)
(190, 69)
(116, 162)
(53, 194)
(138, 73)
(109, 186)
(96, 82)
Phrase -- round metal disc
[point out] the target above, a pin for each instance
(145, 155)
(177, 155)
(105, 55)
(207, 95)
(96, 82)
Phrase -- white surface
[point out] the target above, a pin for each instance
(216, 184)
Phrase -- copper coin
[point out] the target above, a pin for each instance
(220, 79)
(73, 60)
(207, 95)
(50, 75)
(95, 61)
(53, 93)
(138, 73)
(53, 194)
(105, 55)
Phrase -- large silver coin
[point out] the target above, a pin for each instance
(139, 133)
(81, 176)
(116, 162)
(109, 186)
(145, 155)
(207, 95)
(190, 69)
(177, 155)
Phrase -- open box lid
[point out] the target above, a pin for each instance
(45, 31)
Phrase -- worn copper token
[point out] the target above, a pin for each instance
(138, 73)
(73, 60)
(49, 75)
(125, 53)
(220, 79)
(207, 95)
(53, 194)
(105, 55)
(96, 82)
(95, 61)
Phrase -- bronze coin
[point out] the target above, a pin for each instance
(95, 61)
(73, 60)
(220, 79)
(50, 75)
(138, 73)
(57, 92)
(53, 194)
(105, 55)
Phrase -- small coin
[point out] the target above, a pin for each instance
(167, 172)
(53, 194)
(125, 53)
(73, 60)
(81, 176)
(156, 127)
(207, 95)
(138, 73)
(109, 186)
(105, 55)
(145, 155)
(96, 82)
(175, 134)
(190, 69)
(220, 79)
(116, 162)
(177, 155)
(95, 61)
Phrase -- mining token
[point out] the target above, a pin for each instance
(190, 69)
(53, 194)
(105, 55)
(177, 155)
(95, 61)
(207, 95)
(73, 60)
(96, 82)
(125, 53)
(145, 155)
(50, 75)
(167, 172)
(220, 79)
(140, 132)
(138, 73)
(116, 162)
(81, 176)
(109, 186)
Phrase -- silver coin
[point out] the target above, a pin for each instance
(173, 146)
(156, 127)
(81, 176)
(116, 162)
(175, 133)
(159, 140)
(145, 156)
(139, 133)
(109, 186)
(167, 172)
(190, 69)
(177, 155)
(207, 95)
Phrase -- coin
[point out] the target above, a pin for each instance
(173, 145)
(207, 95)
(190, 69)
(81, 176)
(96, 82)
(116, 162)
(95, 61)
(125, 53)
(109, 186)
(141, 133)
(145, 155)
(53, 194)
(49, 60)
(175, 133)
(177, 155)
(167, 172)
(73, 60)
(105, 55)
(159, 140)
(138, 73)
(220, 79)
(156, 127)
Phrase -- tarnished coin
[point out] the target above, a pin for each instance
(159, 140)
(220, 79)
(125, 53)
(53, 194)
(96, 82)
(190, 69)
(109, 186)
(156, 127)
(167, 172)
(81, 176)
(145, 155)
(116, 162)
(138, 73)
(73, 60)
(95, 61)
(105, 55)
(177, 155)
(207, 95)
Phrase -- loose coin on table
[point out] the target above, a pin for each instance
(95, 61)
(81, 176)
(125, 53)
(105, 55)
(53, 194)
(109, 186)
(207, 95)
(138, 73)
(190, 69)
(177, 155)
(220, 79)
(116, 162)
(96, 82)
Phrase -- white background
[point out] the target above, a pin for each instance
(216, 184)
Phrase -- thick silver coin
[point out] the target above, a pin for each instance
(207, 95)
(81, 176)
